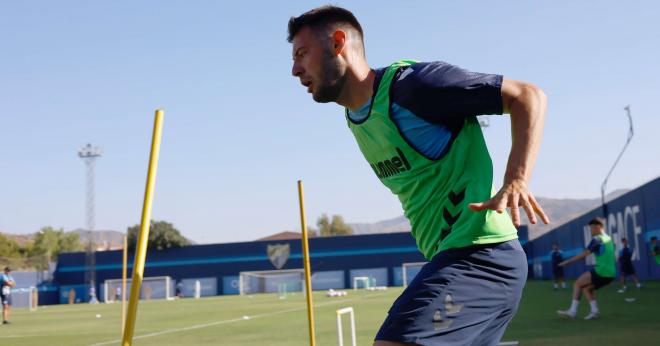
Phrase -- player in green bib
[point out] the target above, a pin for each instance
(415, 123)
(655, 249)
(604, 272)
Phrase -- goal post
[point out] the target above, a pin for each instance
(154, 287)
(340, 332)
(410, 270)
(271, 281)
(367, 282)
(25, 297)
(33, 299)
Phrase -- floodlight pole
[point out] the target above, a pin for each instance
(604, 185)
(89, 154)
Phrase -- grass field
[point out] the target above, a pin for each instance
(219, 320)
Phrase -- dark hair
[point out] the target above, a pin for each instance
(596, 221)
(624, 239)
(7, 269)
(320, 18)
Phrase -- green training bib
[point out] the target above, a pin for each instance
(605, 260)
(434, 193)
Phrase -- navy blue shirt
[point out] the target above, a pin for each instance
(625, 256)
(556, 257)
(595, 246)
(430, 101)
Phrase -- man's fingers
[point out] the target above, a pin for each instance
(515, 212)
(538, 209)
(501, 204)
(477, 206)
(529, 210)
(492, 204)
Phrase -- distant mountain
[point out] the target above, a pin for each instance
(398, 224)
(104, 239)
(107, 238)
(20, 239)
(560, 211)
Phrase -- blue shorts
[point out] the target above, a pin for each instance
(627, 269)
(464, 296)
(599, 281)
(6, 299)
(558, 272)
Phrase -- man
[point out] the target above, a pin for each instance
(6, 283)
(603, 273)
(117, 293)
(416, 125)
(178, 291)
(626, 266)
(557, 257)
(655, 249)
(92, 294)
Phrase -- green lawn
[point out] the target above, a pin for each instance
(273, 321)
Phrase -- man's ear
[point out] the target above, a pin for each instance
(338, 41)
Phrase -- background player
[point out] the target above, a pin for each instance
(6, 282)
(603, 273)
(626, 266)
(655, 249)
(557, 271)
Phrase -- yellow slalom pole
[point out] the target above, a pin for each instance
(123, 285)
(308, 275)
(141, 250)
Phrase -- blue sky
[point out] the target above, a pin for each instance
(239, 130)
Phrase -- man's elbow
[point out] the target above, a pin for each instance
(533, 96)
(519, 95)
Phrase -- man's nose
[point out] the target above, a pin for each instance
(296, 70)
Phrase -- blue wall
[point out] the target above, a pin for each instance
(224, 261)
(335, 260)
(635, 216)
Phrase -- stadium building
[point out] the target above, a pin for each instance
(271, 265)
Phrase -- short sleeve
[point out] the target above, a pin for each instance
(594, 245)
(440, 92)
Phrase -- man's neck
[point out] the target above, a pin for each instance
(358, 88)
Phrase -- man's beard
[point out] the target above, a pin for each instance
(331, 80)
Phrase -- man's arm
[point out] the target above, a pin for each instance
(575, 258)
(527, 105)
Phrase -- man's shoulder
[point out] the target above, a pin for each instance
(425, 73)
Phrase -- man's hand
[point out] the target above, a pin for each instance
(527, 104)
(513, 195)
(563, 263)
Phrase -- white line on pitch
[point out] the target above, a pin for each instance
(204, 325)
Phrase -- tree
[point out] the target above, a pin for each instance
(51, 242)
(332, 228)
(312, 232)
(69, 242)
(323, 224)
(8, 247)
(339, 227)
(162, 235)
